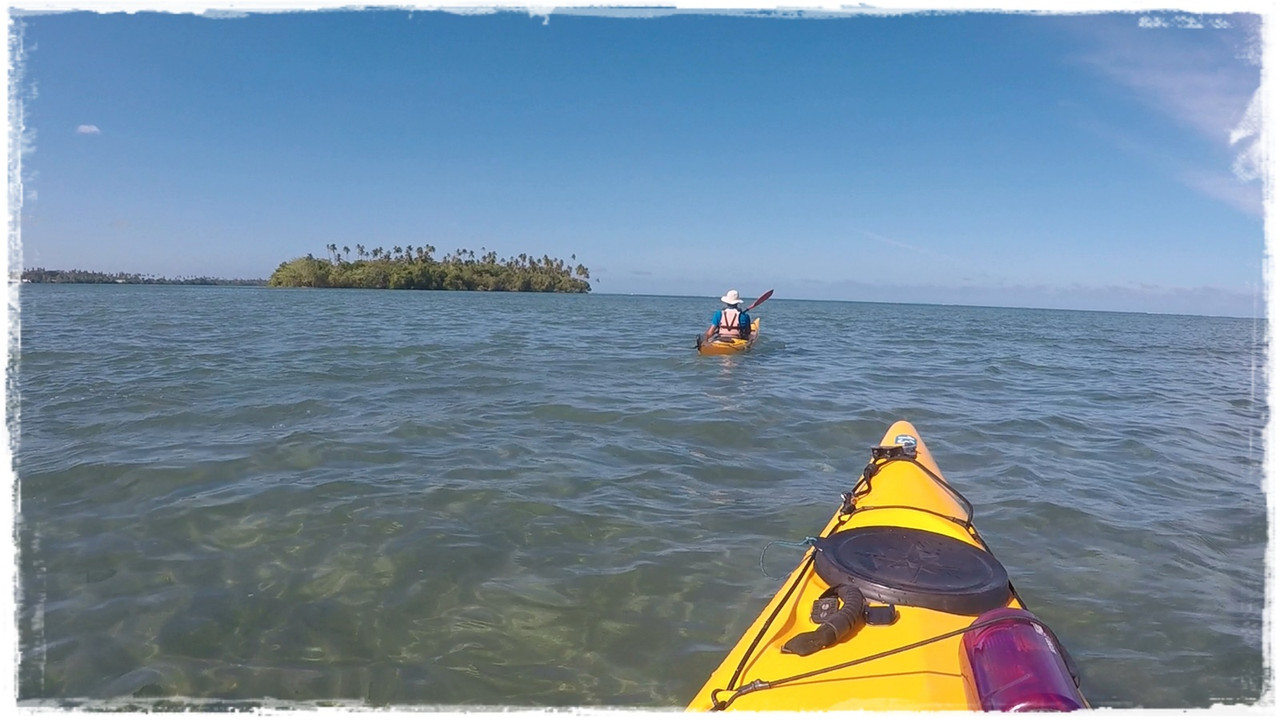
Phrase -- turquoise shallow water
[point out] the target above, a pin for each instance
(421, 499)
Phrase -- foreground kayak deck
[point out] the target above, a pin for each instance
(911, 575)
(729, 347)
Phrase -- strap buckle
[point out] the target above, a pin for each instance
(894, 452)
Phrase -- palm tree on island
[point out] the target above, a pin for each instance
(403, 269)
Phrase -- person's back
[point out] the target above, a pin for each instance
(730, 322)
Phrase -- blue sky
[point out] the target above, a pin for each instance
(1103, 160)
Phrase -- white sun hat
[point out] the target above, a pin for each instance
(731, 298)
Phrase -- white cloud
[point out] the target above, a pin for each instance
(1206, 77)
(88, 130)
(1190, 83)
(1235, 189)
(1249, 163)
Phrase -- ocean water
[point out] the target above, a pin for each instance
(290, 498)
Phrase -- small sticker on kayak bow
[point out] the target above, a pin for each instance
(905, 441)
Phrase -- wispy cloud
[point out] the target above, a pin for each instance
(88, 130)
(1235, 189)
(1247, 135)
(1131, 297)
(952, 263)
(890, 241)
(1205, 76)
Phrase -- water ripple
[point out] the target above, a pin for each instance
(440, 499)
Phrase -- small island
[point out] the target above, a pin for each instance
(410, 268)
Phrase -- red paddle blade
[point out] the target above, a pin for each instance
(759, 300)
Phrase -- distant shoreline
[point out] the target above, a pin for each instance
(89, 277)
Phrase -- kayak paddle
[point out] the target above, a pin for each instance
(759, 300)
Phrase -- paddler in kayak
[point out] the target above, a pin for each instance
(730, 322)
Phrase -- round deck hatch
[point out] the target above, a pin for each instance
(914, 567)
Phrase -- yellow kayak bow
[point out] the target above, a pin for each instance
(897, 605)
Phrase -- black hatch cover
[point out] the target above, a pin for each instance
(914, 567)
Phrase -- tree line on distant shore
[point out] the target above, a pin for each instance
(414, 268)
(41, 275)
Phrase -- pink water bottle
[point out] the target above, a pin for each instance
(1016, 664)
